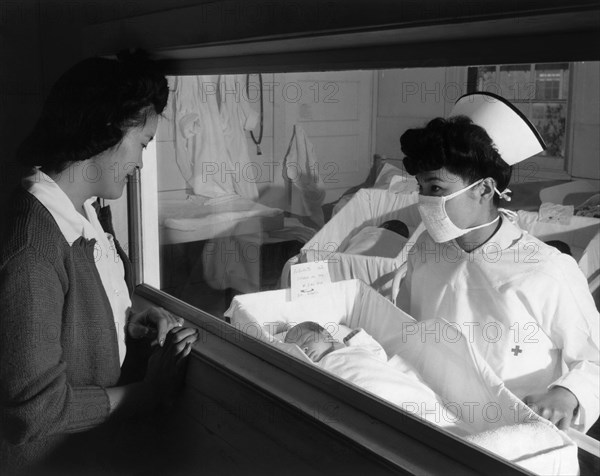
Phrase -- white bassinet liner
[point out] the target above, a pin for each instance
(442, 356)
(368, 207)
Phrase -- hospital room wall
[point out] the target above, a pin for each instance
(408, 98)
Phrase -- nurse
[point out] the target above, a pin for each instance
(524, 305)
(72, 351)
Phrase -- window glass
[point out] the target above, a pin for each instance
(244, 167)
(247, 169)
(540, 91)
(551, 121)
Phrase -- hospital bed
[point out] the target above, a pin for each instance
(449, 366)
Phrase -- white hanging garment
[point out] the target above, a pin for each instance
(301, 174)
(199, 142)
(237, 117)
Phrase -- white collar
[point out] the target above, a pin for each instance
(71, 223)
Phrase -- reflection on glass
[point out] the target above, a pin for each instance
(245, 164)
(486, 79)
(250, 167)
(550, 119)
(515, 82)
(528, 86)
(552, 81)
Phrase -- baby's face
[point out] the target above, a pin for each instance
(315, 344)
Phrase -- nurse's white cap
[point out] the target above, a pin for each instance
(515, 138)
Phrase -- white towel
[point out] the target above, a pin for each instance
(537, 446)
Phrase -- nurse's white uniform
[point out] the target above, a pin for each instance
(525, 305)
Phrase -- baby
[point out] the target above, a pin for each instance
(316, 342)
(397, 226)
(560, 246)
(360, 359)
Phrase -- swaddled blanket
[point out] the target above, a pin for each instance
(364, 363)
(436, 351)
(513, 431)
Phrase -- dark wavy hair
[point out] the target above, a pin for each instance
(463, 148)
(91, 107)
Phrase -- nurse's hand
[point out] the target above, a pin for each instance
(152, 323)
(557, 405)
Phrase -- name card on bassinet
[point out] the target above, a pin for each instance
(309, 279)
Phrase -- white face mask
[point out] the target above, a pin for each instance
(436, 220)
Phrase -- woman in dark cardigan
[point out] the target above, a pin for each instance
(69, 342)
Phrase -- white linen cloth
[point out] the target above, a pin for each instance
(73, 225)
(554, 213)
(525, 306)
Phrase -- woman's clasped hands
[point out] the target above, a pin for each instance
(152, 323)
(172, 343)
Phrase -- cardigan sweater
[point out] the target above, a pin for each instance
(58, 342)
